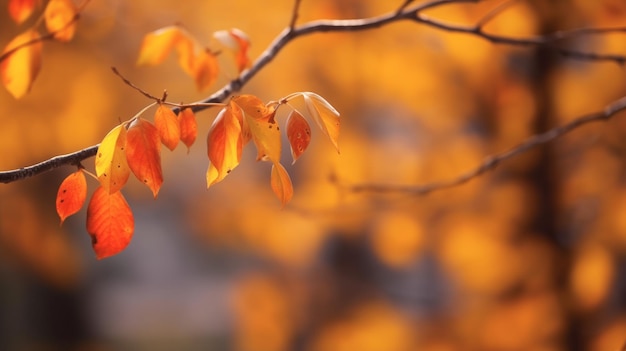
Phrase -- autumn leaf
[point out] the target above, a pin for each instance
(205, 69)
(236, 41)
(167, 124)
(21, 67)
(224, 144)
(20, 10)
(157, 45)
(110, 223)
(298, 133)
(111, 165)
(60, 16)
(71, 195)
(143, 152)
(262, 126)
(188, 127)
(324, 115)
(281, 183)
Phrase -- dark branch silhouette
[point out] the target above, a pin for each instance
(406, 12)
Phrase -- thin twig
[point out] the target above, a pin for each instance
(410, 13)
(294, 14)
(491, 162)
(495, 12)
(130, 84)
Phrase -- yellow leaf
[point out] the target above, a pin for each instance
(157, 45)
(110, 223)
(20, 10)
(143, 151)
(260, 122)
(324, 114)
(60, 16)
(111, 165)
(167, 124)
(71, 195)
(21, 67)
(281, 183)
(224, 145)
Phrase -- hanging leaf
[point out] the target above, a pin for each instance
(143, 151)
(157, 45)
(110, 223)
(21, 67)
(60, 16)
(205, 69)
(71, 195)
(281, 183)
(298, 133)
(167, 124)
(111, 165)
(259, 120)
(236, 41)
(188, 127)
(20, 10)
(324, 115)
(224, 145)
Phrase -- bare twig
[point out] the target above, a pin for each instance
(130, 84)
(491, 162)
(294, 14)
(406, 12)
(495, 12)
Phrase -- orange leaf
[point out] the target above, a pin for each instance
(281, 183)
(60, 16)
(157, 45)
(298, 133)
(111, 164)
(259, 120)
(167, 124)
(205, 69)
(143, 151)
(224, 145)
(71, 195)
(20, 68)
(20, 10)
(188, 127)
(324, 114)
(236, 41)
(110, 223)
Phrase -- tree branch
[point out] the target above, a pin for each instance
(491, 162)
(404, 12)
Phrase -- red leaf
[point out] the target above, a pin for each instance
(60, 19)
(71, 195)
(188, 127)
(111, 165)
(281, 183)
(224, 145)
(20, 68)
(236, 41)
(143, 151)
(110, 223)
(168, 127)
(20, 10)
(298, 133)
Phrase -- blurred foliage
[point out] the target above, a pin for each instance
(527, 257)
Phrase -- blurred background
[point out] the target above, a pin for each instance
(531, 256)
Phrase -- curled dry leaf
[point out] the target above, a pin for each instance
(237, 42)
(167, 124)
(281, 183)
(143, 152)
(20, 10)
(298, 133)
(110, 223)
(188, 127)
(111, 165)
(71, 195)
(60, 16)
(324, 114)
(224, 144)
(21, 67)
